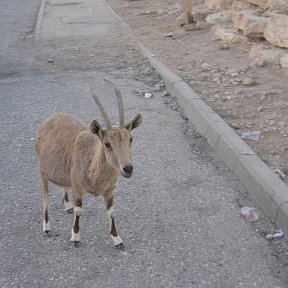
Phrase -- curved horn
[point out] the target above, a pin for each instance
(120, 102)
(101, 108)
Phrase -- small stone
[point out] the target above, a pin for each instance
(190, 27)
(249, 82)
(264, 158)
(206, 67)
(262, 97)
(203, 77)
(202, 25)
(168, 34)
(180, 21)
(235, 125)
(260, 109)
(260, 63)
(224, 46)
(165, 93)
(50, 61)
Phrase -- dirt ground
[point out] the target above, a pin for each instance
(249, 96)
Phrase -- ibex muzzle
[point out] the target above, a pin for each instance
(72, 157)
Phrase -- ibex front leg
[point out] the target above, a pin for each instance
(78, 210)
(117, 241)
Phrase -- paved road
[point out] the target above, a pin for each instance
(178, 214)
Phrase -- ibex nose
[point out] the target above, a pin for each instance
(128, 170)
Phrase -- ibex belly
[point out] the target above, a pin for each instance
(54, 144)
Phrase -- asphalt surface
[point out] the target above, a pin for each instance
(179, 213)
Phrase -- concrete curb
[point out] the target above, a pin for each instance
(264, 186)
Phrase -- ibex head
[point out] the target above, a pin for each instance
(116, 140)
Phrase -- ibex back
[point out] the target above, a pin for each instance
(84, 159)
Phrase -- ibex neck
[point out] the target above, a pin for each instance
(103, 165)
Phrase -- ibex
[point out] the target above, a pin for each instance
(80, 159)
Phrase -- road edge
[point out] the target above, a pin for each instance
(39, 20)
(267, 189)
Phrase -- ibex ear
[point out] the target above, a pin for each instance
(134, 123)
(96, 128)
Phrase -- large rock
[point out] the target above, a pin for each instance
(200, 12)
(240, 5)
(276, 31)
(251, 24)
(227, 33)
(278, 5)
(218, 5)
(263, 4)
(219, 17)
(284, 61)
(267, 53)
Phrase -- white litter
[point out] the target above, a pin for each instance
(254, 135)
(251, 214)
(148, 95)
(276, 235)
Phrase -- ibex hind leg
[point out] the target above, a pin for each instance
(46, 223)
(68, 207)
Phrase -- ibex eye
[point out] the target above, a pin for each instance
(108, 146)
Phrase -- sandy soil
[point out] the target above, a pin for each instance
(249, 96)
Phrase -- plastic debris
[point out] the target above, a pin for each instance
(254, 135)
(148, 95)
(276, 235)
(144, 94)
(251, 214)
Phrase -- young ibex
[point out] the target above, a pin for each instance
(82, 160)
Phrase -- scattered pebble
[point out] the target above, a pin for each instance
(202, 25)
(224, 46)
(190, 27)
(168, 34)
(249, 82)
(206, 67)
(50, 61)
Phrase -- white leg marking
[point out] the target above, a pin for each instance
(68, 205)
(116, 239)
(78, 211)
(46, 226)
(75, 236)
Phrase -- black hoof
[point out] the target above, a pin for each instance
(76, 244)
(47, 233)
(120, 246)
(70, 211)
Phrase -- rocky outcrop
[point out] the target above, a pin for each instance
(263, 4)
(276, 30)
(278, 5)
(217, 5)
(251, 24)
(219, 17)
(240, 5)
(264, 19)
(265, 52)
(227, 33)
